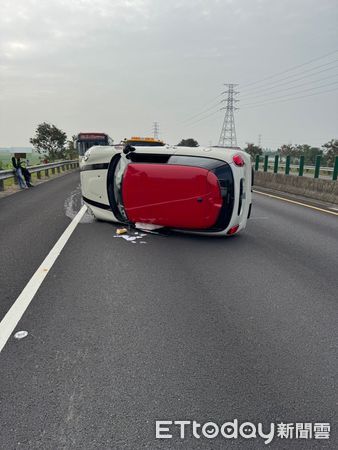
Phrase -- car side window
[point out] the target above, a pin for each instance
(195, 161)
(223, 173)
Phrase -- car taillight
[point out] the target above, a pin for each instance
(238, 160)
(233, 230)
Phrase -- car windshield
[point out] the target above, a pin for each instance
(118, 177)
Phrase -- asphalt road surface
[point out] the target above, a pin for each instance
(170, 327)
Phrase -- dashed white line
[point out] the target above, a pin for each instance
(11, 319)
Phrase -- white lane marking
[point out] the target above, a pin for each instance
(11, 319)
(296, 203)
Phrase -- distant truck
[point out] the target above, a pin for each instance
(137, 141)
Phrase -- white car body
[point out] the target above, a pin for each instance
(94, 179)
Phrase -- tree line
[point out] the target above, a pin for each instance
(328, 151)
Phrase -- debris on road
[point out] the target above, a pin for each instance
(130, 238)
(133, 238)
(21, 334)
(121, 231)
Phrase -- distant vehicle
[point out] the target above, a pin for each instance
(85, 141)
(199, 190)
(144, 142)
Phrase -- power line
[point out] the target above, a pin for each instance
(203, 118)
(274, 84)
(290, 69)
(298, 92)
(281, 83)
(289, 99)
(288, 82)
(203, 110)
(291, 87)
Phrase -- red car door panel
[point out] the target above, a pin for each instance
(171, 195)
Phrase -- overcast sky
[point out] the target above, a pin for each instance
(119, 65)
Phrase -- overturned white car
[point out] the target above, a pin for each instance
(199, 190)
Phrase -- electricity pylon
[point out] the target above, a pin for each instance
(228, 133)
(156, 130)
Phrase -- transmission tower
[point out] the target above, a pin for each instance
(156, 130)
(228, 133)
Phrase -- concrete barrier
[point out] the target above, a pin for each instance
(315, 188)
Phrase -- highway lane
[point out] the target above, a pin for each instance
(178, 328)
(31, 221)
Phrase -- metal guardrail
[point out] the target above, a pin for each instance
(38, 169)
(296, 166)
(317, 171)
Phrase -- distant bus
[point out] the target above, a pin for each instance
(84, 141)
(144, 142)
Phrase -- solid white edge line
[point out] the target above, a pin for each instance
(11, 319)
(295, 202)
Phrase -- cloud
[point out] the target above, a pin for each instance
(117, 65)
